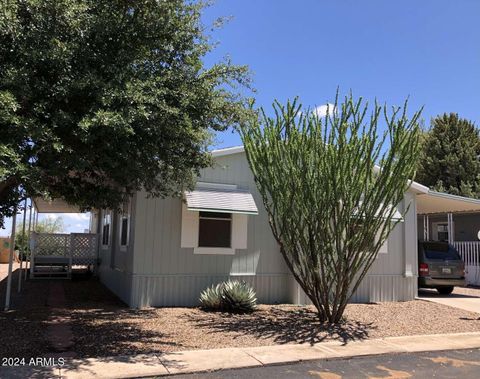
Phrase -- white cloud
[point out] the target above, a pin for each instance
(321, 110)
(77, 216)
(73, 222)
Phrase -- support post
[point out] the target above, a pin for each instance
(450, 228)
(29, 235)
(424, 227)
(36, 219)
(10, 261)
(428, 229)
(22, 250)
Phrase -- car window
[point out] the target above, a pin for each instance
(441, 252)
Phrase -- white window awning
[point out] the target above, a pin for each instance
(227, 199)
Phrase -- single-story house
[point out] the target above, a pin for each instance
(164, 252)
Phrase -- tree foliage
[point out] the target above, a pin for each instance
(99, 98)
(330, 207)
(449, 159)
(45, 225)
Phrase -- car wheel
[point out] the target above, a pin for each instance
(445, 290)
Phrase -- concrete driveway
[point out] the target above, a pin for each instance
(467, 299)
(4, 269)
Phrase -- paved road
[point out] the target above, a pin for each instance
(464, 364)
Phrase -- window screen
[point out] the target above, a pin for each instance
(442, 232)
(106, 228)
(124, 232)
(105, 234)
(215, 229)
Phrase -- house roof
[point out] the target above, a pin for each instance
(414, 186)
(228, 151)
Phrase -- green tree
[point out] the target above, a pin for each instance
(45, 225)
(330, 207)
(449, 159)
(99, 98)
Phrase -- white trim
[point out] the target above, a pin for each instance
(190, 227)
(120, 219)
(444, 195)
(239, 231)
(418, 187)
(105, 213)
(214, 210)
(227, 151)
(214, 250)
(216, 185)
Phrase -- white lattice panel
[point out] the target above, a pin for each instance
(83, 247)
(80, 247)
(57, 245)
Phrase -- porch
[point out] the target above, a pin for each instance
(46, 255)
(456, 220)
(56, 254)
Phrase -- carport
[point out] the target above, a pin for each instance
(48, 249)
(433, 203)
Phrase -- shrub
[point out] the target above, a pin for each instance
(232, 295)
(211, 298)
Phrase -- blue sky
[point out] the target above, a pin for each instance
(73, 222)
(427, 50)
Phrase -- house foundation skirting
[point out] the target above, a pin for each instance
(119, 282)
(374, 288)
(184, 290)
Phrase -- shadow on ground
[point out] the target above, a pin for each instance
(102, 325)
(282, 325)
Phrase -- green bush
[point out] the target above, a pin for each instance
(211, 298)
(232, 296)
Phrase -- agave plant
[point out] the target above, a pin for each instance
(211, 297)
(238, 296)
(232, 295)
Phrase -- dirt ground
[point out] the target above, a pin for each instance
(103, 326)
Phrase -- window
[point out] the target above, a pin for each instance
(442, 232)
(124, 224)
(215, 229)
(107, 220)
(124, 231)
(213, 232)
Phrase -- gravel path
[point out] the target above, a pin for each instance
(103, 326)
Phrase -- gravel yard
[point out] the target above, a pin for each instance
(103, 326)
(170, 329)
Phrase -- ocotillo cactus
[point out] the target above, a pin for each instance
(330, 206)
